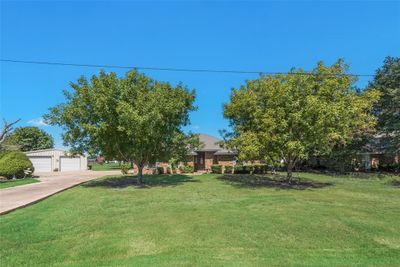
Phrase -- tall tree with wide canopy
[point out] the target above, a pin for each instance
(387, 81)
(292, 116)
(133, 118)
(30, 138)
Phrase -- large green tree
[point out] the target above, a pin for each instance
(387, 81)
(133, 118)
(29, 138)
(292, 116)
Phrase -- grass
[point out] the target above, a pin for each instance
(209, 220)
(105, 166)
(12, 183)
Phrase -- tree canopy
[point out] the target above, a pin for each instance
(387, 109)
(133, 118)
(29, 138)
(292, 116)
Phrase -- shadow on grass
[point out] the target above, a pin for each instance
(396, 183)
(148, 181)
(353, 174)
(272, 181)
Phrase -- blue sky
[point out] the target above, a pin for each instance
(261, 36)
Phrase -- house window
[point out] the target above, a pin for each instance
(201, 160)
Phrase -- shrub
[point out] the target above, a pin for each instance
(13, 164)
(228, 169)
(160, 170)
(216, 168)
(186, 169)
(125, 168)
(391, 167)
(260, 168)
(240, 169)
(171, 170)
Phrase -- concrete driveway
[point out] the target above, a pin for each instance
(50, 183)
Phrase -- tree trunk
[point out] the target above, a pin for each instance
(289, 172)
(140, 173)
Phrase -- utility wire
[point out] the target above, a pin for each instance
(177, 69)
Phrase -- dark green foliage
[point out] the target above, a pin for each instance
(243, 169)
(13, 164)
(160, 170)
(186, 169)
(238, 169)
(216, 168)
(125, 168)
(392, 167)
(228, 169)
(30, 138)
(387, 82)
(260, 168)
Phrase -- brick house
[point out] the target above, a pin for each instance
(376, 154)
(210, 154)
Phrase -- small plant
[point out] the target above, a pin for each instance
(186, 169)
(241, 169)
(55, 170)
(125, 168)
(160, 170)
(228, 169)
(260, 168)
(216, 168)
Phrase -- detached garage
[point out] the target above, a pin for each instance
(48, 160)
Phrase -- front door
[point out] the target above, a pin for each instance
(200, 164)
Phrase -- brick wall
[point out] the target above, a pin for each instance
(225, 160)
(209, 160)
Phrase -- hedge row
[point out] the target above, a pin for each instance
(240, 169)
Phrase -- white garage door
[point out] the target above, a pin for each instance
(70, 164)
(41, 164)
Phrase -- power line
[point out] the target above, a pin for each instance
(173, 69)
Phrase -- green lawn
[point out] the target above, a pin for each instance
(105, 167)
(12, 183)
(208, 221)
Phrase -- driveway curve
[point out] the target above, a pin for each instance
(50, 183)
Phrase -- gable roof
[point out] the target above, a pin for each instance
(211, 145)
